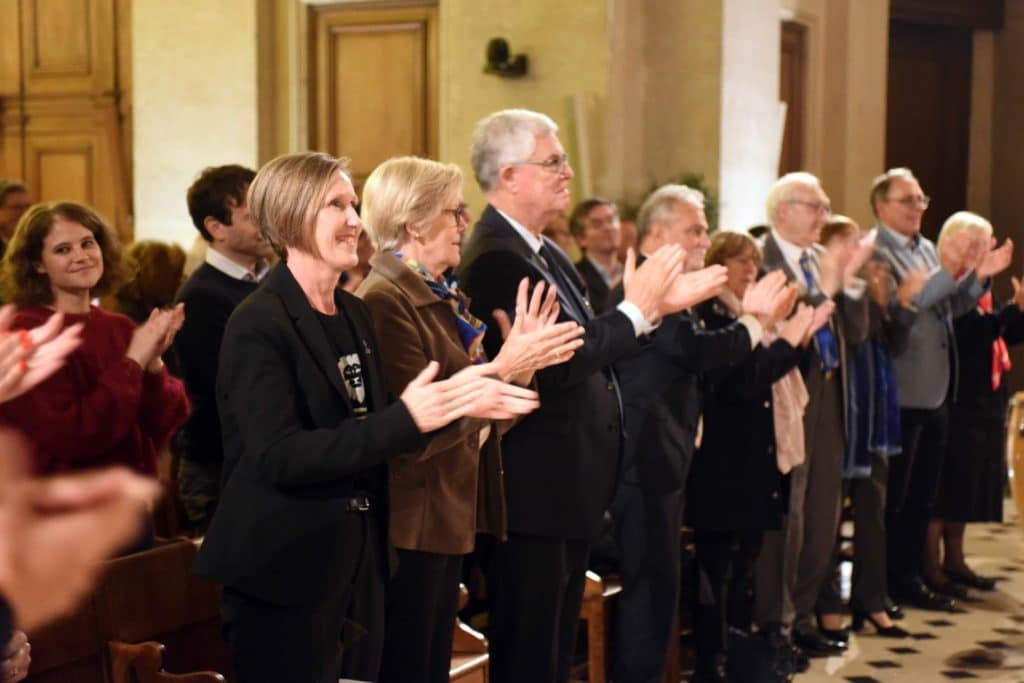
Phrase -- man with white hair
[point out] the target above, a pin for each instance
(959, 272)
(561, 461)
(794, 562)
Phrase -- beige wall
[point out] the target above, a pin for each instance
(750, 119)
(567, 45)
(195, 102)
(847, 66)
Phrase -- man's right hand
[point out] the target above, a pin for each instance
(645, 287)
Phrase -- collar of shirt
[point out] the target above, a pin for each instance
(792, 254)
(234, 270)
(610, 277)
(901, 239)
(531, 239)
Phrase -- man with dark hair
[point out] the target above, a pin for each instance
(595, 225)
(236, 262)
(14, 201)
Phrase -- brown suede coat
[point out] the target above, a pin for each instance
(442, 496)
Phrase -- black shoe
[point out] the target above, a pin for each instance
(711, 671)
(947, 587)
(893, 631)
(893, 610)
(785, 658)
(840, 635)
(972, 580)
(816, 644)
(916, 594)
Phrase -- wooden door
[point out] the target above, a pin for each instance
(373, 83)
(64, 101)
(927, 121)
(793, 91)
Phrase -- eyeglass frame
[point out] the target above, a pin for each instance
(460, 213)
(556, 163)
(912, 200)
(817, 207)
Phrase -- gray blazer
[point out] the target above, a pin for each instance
(927, 366)
(849, 322)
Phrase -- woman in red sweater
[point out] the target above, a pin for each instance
(113, 403)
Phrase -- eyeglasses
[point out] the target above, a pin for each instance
(460, 213)
(553, 164)
(910, 200)
(816, 207)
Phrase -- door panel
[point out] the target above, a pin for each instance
(375, 84)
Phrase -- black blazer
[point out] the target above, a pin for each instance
(735, 482)
(660, 384)
(975, 334)
(597, 290)
(561, 460)
(292, 452)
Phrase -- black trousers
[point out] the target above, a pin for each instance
(536, 587)
(341, 636)
(914, 477)
(647, 533)
(870, 589)
(725, 568)
(422, 604)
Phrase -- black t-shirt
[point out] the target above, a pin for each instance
(351, 361)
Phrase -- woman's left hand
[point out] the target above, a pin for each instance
(535, 339)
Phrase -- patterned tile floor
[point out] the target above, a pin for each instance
(985, 643)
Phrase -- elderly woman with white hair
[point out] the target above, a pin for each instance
(443, 494)
(973, 474)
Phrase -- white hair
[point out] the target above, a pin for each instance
(961, 221)
(782, 190)
(503, 138)
(660, 204)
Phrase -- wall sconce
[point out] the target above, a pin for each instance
(498, 60)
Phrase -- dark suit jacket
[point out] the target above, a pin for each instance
(850, 322)
(293, 452)
(597, 290)
(442, 495)
(661, 390)
(735, 481)
(561, 460)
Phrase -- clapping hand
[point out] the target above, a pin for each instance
(536, 339)
(766, 296)
(152, 338)
(689, 289)
(994, 260)
(55, 532)
(646, 286)
(27, 357)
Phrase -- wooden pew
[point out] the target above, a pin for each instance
(153, 595)
(596, 612)
(470, 660)
(147, 596)
(143, 663)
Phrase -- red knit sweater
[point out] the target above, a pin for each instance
(100, 408)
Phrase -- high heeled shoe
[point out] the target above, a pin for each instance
(971, 580)
(893, 631)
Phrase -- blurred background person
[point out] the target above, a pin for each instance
(234, 263)
(14, 202)
(595, 227)
(156, 270)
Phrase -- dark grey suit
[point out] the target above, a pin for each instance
(926, 372)
(794, 562)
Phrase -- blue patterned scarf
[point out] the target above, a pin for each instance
(471, 329)
(873, 410)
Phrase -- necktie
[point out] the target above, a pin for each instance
(824, 341)
(570, 293)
